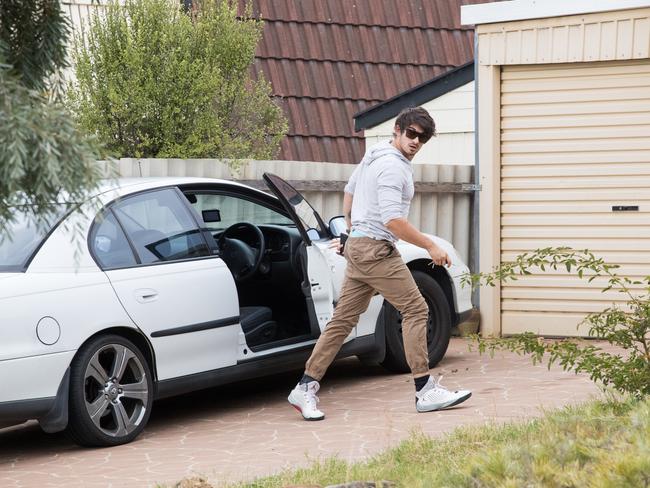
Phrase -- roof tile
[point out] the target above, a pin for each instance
(442, 14)
(363, 44)
(328, 59)
(356, 81)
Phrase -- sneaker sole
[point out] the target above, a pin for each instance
(308, 419)
(458, 401)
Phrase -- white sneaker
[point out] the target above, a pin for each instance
(303, 398)
(434, 396)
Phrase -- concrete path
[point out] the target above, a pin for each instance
(246, 430)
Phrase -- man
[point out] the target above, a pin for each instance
(376, 204)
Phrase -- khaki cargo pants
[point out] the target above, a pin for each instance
(374, 266)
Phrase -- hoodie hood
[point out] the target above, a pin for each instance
(380, 150)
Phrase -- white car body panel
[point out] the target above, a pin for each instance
(463, 294)
(27, 298)
(33, 377)
(169, 295)
(320, 282)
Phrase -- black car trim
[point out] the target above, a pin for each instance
(134, 252)
(159, 263)
(18, 411)
(187, 329)
(286, 360)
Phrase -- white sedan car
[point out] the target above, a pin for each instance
(157, 287)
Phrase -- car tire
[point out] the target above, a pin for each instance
(438, 326)
(111, 392)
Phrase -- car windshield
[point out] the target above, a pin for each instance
(23, 237)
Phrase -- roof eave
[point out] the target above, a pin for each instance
(414, 97)
(515, 10)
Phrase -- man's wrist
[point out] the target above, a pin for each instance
(432, 246)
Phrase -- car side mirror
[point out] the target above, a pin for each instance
(313, 234)
(338, 226)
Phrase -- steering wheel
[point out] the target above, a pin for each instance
(242, 258)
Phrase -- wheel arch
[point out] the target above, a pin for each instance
(135, 336)
(56, 420)
(442, 278)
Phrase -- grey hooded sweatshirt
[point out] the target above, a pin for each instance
(382, 185)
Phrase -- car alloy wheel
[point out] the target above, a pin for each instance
(110, 393)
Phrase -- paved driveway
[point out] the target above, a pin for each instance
(248, 429)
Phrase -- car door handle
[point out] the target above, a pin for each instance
(146, 295)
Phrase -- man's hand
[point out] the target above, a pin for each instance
(338, 244)
(405, 231)
(438, 256)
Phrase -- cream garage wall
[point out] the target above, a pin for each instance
(564, 140)
(575, 144)
(453, 113)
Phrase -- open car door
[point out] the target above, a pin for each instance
(316, 235)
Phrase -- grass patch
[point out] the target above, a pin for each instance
(597, 444)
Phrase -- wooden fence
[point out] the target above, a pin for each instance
(441, 206)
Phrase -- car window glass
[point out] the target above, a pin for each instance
(160, 227)
(233, 210)
(23, 236)
(109, 244)
(309, 218)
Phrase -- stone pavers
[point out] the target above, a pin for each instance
(248, 429)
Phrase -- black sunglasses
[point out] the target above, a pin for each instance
(412, 134)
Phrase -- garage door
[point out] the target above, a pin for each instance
(575, 144)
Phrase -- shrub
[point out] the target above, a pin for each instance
(154, 81)
(628, 328)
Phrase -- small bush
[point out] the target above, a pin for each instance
(155, 81)
(627, 328)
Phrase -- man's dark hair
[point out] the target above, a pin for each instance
(416, 115)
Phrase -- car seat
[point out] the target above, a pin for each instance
(258, 325)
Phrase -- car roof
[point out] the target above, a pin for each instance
(126, 186)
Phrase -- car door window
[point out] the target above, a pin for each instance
(160, 227)
(109, 245)
(222, 211)
(313, 227)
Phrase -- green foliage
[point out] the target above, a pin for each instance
(153, 81)
(628, 328)
(34, 33)
(43, 157)
(603, 445)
